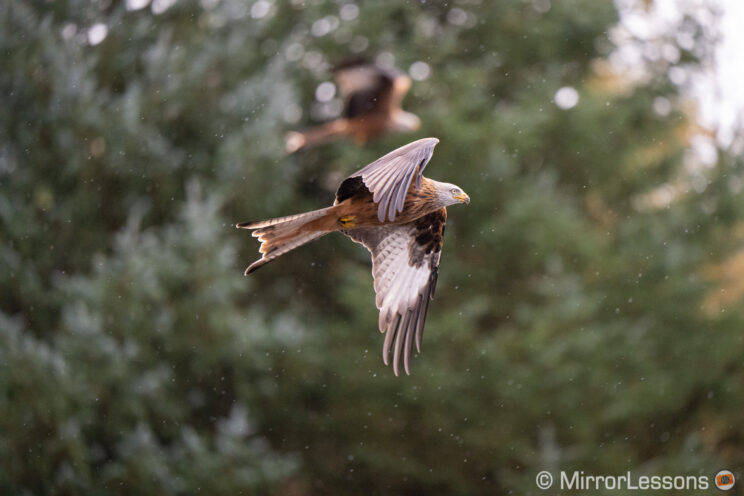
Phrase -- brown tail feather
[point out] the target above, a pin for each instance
(283, 234)
(316, 135)
(306, 217)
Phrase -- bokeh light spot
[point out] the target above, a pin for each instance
(419, 70)
(349, 12)
(97, 33)
(325, 92)
(136, 4)
(260, 9)
(566, 97)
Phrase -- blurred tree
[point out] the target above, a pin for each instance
(140, 389)
(579, 322)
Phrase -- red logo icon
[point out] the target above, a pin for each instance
(725, 480)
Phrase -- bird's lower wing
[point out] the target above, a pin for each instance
(405, 263)
(320, 134)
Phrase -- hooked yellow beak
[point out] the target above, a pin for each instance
(463, 198)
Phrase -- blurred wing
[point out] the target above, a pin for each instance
(389, 177)
(405, 264)
(401, 85)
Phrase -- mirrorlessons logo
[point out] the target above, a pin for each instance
(725, 480)
(579, 481)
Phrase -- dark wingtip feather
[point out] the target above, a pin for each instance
(400, 339)
(407, 348)
(388, 342)
(433, 281)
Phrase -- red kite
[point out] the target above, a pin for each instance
(373, 96)
(399, 216)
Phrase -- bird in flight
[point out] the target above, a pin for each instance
(373, 95)
(399, 216)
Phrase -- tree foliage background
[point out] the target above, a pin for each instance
(588, 312)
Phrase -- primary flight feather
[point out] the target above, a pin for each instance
(399, 216)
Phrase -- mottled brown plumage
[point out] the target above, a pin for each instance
(374, 96)
(399, 216)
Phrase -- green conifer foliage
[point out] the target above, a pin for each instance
(587, 314)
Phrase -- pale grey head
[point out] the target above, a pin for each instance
(450, 194)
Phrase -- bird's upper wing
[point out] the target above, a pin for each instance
(388, 178)
(369, 88)
(405, 263)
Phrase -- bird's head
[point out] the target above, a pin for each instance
(450, 194)
(406, 122)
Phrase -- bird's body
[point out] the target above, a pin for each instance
(359, 209)
(399, 216)
(374, 96)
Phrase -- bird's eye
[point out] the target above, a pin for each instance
(454, 191)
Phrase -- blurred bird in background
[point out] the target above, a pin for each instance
(399, 216)
(373, 97)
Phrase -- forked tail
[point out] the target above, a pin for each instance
(283, 234)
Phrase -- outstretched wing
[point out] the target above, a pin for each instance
(389, 177)
(405, 264)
